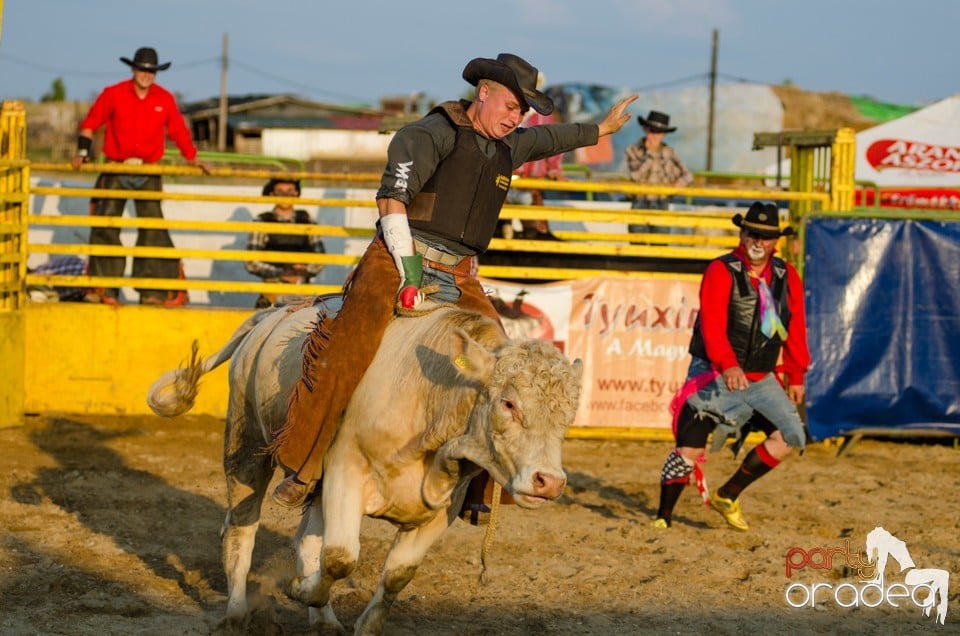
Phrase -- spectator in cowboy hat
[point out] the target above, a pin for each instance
(145, 59)
(137, 114)
(651, 161)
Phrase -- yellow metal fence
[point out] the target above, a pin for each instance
(13, 228)
(78, 357)
(710, 234)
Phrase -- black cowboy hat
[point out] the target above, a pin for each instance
(145, 59)
(657, 122)
(268, 189)
(764, 219)
(513, 72)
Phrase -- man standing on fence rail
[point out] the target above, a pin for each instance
(751, 312)
(440, 196)
(137, 114)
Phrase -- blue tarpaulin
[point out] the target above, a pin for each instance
(883, 312)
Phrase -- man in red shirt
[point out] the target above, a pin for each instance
(137, 114)
(751, 318)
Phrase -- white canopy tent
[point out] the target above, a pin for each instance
(914, 160)
(921, 149)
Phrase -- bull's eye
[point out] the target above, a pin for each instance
(512, 409)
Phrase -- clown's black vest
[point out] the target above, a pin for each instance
(461, 202)
(755, 352)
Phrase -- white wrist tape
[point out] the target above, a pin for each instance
(396, 234)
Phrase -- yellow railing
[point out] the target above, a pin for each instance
(14, 178)
(711, 231)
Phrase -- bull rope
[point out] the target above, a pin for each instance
(491, 529)
(426, 306)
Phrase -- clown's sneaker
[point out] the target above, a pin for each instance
(730, 509)
(660, 522)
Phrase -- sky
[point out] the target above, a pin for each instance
(356, 51)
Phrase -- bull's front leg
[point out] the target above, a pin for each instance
(328, 548)
(403, 559)
(309, 549)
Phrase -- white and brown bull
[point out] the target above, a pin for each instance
(446, 396)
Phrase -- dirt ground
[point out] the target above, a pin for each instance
(110, 526)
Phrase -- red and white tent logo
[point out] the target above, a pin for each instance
(912, 155)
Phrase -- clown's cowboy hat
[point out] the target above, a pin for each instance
(513, 72)
(145, 59)
(764, 219)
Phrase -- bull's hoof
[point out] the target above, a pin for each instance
(293, 590)
(261, 621)
(324, 621)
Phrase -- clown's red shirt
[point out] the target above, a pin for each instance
(135, 127)
(715, 292)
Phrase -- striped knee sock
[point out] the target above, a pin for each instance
(673, 479)
(755, 465)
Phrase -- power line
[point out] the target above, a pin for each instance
(741, 80)
(312, 89)
(63, 72)
(682, 80)
(179, 66)
(50, 69)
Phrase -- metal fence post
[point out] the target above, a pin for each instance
(14, 177)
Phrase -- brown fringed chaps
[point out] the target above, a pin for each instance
(338, 353)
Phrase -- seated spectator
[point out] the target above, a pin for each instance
(62, 266)
(293, 273)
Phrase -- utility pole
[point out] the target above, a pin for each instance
(222, 124)
(713, 92)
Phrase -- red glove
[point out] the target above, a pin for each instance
(409, 294)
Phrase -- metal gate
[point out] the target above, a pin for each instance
(14, 173)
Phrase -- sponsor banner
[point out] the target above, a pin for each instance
(631, 334)
(927, 198)
(884, 154)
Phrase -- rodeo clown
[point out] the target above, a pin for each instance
(751, 313)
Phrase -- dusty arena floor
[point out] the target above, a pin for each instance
(110, 526)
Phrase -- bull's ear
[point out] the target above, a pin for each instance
(578, 368)
(469, 358)
(439, 482)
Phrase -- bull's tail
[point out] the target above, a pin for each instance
(175, 391)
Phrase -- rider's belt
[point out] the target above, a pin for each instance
(437, 256)
(467, 267)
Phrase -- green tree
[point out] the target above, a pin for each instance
(57, 92)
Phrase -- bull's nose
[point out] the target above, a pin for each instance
(548, 485)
